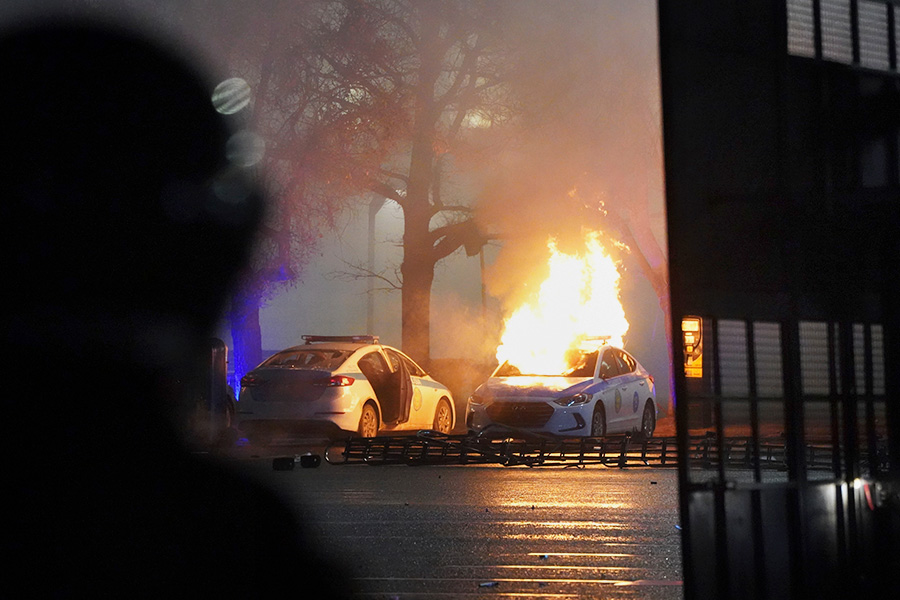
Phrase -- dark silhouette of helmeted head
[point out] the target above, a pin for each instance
(126, 217)
(122, 208)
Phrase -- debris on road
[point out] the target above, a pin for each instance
(286, 463)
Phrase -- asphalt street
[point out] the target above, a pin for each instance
(463, 531)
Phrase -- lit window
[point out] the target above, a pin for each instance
(896, 37)
(732, 354)
(873, 35)
(767, 354)
(859, 358)
(837, 41)
(801, 28)
(878, 360)
(814, 372)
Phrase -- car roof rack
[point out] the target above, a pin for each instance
(355, 339)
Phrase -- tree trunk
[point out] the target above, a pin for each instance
(246, 337)
(417, 271)
(418, 249)
(416, 309)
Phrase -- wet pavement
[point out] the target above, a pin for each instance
(463, 531)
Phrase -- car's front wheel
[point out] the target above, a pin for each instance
(368, 421)
(443, 417)
(598, 421)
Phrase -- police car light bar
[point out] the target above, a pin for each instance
(356, 339)
(594, 342)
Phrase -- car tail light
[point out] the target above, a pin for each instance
(251, 380)
(335, 381)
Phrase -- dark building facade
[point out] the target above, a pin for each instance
(781, 127)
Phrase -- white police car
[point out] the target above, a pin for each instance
(335, 384)
(603, 390)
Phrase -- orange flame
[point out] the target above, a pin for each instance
(577, 301)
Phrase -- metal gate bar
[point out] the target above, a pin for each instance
(514, 449)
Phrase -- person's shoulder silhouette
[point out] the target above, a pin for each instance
(124, 226)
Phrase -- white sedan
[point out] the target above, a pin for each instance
(604, 390)
(334, 384)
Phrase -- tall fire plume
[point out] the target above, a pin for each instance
(578, 300)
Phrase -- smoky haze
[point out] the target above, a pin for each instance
(595, 161)
(587, 156)
(592, 160)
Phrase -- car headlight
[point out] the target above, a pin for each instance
(576, 400)
(475, 400)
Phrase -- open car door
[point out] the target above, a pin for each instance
(405, 393)
(401, 392)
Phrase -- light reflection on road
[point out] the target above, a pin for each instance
(550, 504)
(592, 554)
(456, 532)
(564, 524)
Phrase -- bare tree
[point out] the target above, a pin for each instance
(450, 62)
(421, 103)
(322, 102)
(357, 98)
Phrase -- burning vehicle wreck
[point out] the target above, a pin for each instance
(601, 390)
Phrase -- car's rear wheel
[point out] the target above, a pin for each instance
(443, 417)
(648, 420)
(598, 421)
(368, 421)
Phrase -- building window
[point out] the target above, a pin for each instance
(877, 333)
(801, 28)
(896, 37)
(820, 365)
(836, 32)
(873, 35)
(873, 163)
(837, 37)
(733, 364)
(814, 364)
(876, 348)
(859, 363)
(767, 354)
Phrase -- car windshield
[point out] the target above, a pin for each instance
(319, 358)
(579, 363)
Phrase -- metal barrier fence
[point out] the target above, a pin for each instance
(516, 448)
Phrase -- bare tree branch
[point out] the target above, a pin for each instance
(357, 272)
(449, 238)
(394, 175)
(383, 189)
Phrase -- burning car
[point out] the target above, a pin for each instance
(334, 384)
(601, 390)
